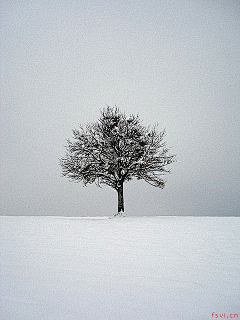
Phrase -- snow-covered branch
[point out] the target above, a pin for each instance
(114, 150)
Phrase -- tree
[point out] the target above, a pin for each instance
(114, 150)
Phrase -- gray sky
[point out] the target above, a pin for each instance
(172, 62)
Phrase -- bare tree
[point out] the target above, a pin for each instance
(114, 150)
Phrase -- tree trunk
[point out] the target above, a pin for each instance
(120, 199)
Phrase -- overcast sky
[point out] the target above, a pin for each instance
(172, 62)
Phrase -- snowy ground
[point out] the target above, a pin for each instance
(143, 268)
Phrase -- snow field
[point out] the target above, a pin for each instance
(144, 268)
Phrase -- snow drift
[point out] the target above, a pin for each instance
(142, 268)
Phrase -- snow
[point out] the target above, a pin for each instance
(144, 268)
